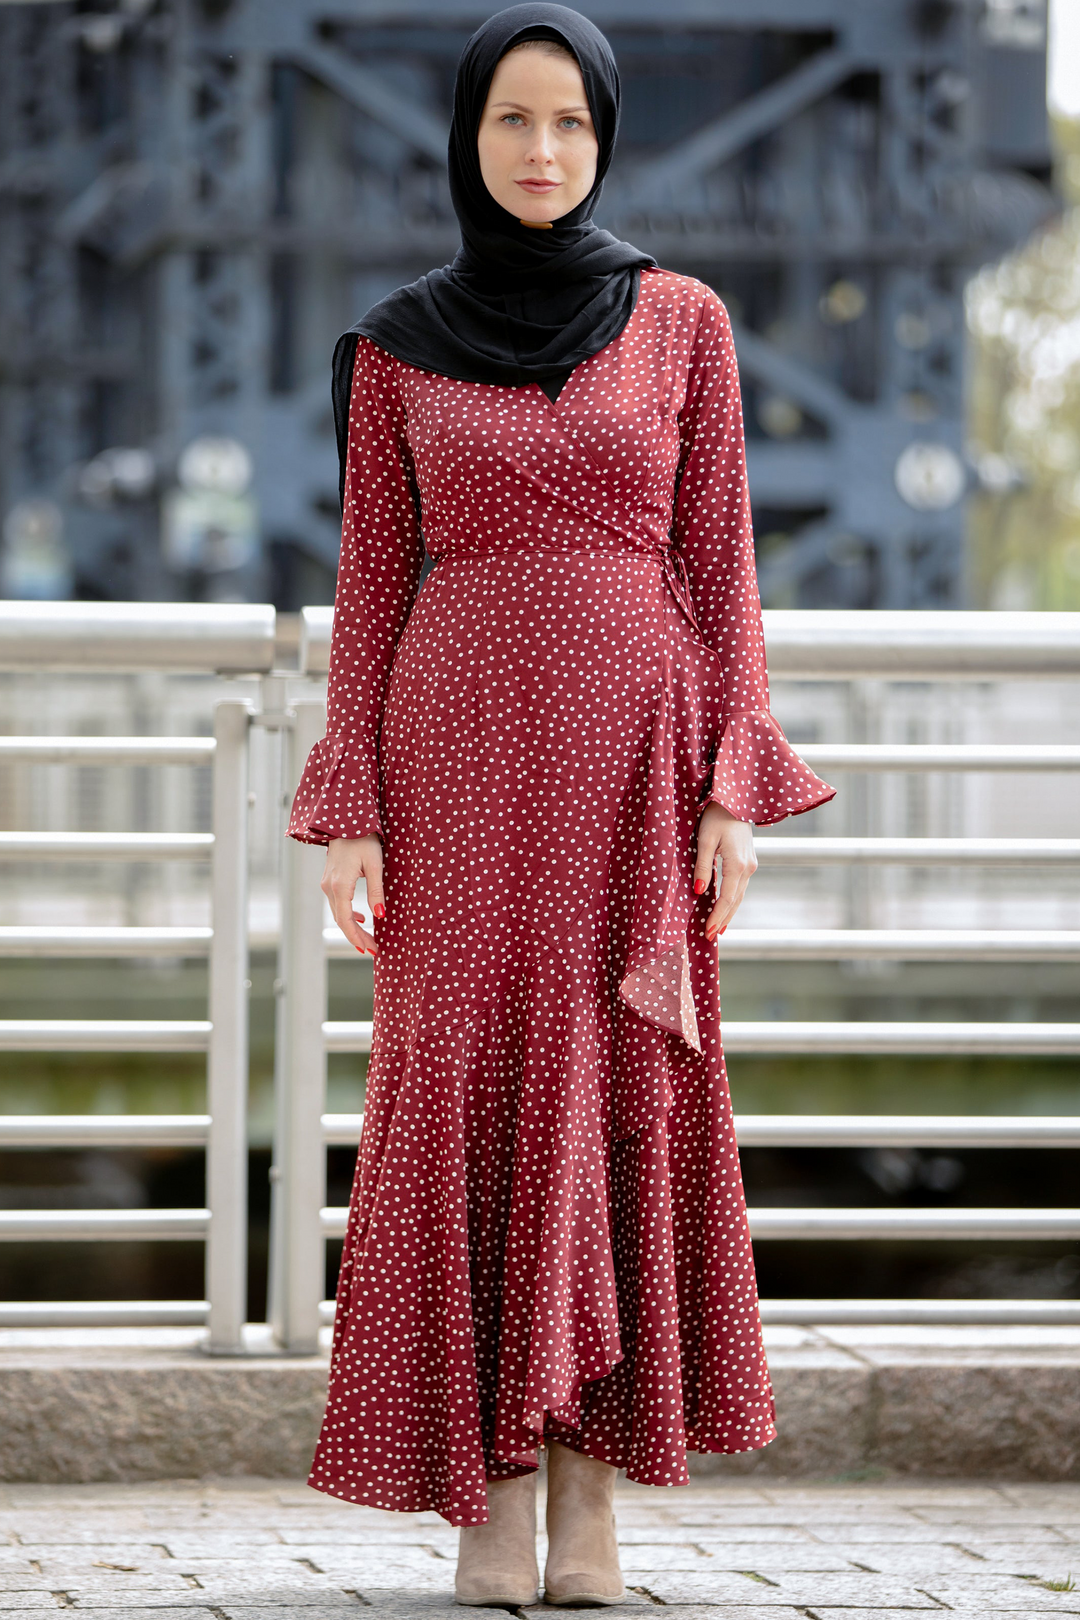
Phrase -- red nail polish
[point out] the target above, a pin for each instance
(724, 929)
(699, 886)
(379, 910)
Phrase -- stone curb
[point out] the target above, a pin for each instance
(851, 1404)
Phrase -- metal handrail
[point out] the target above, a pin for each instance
(780, 849)
(844, 644)
(97, 1225)
(105, 1034)
(137, 1313)
(858, 1225)
(196, 639)
(741, 944)
(815, 646)
(104, 1130)
(752, 1130)
(847, 944)
(132, 846)
(851, 1130)
(919, 1312)
(873, 1037)
(819, 1313)
(41, 939)
(833, 757)
(901, 944)
(200, 637)
(107, 750)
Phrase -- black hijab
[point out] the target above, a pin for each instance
(515, 305)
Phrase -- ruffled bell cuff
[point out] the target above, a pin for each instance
(758, 776)
(338, 796)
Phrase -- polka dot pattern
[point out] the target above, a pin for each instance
(547, 1233)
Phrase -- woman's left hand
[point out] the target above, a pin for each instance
(720, 834)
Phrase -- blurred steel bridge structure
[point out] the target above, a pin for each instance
(196, 196)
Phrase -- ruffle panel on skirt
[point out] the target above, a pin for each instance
(477, 1278)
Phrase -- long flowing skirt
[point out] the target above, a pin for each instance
(547, 1234)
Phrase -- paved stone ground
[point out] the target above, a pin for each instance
(268, 1550)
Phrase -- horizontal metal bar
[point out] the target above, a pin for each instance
(900, 944)
(752, 1130)
(891, 1312)
(941, 756)
(876, 1037)
(342, 1130)
(841, 643)
(347, 1037)
(50, 846)
(779, 850)
(853, 1130)
(103, 1035)
(846, 944)
(908, 1130)
(871, 1037)
(104, 1130)
(104, 1225)
(850, 1224)
(916, 646)
(106, 750)
(40, 940)
(197, 637)
(104, 1313)
(920, 1312)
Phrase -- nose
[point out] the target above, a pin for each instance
(540, 148)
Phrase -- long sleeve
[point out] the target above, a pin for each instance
(378, 575)
(756, 774)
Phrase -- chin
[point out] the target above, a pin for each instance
(539, 210)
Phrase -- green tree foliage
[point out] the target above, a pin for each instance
(1024, 411)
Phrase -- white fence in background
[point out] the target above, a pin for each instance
(239, 640)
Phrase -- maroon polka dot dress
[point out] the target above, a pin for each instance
(547, 1234)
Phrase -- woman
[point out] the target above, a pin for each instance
(535, 764)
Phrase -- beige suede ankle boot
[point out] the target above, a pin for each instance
(583, 1557)
(497, 1561)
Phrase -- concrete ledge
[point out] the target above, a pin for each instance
(137, 1404)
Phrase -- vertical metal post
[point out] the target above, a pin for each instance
(227, 1070)
(298, 1254)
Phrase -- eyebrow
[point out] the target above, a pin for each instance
(522, 108)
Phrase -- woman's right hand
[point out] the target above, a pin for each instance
(347, 861)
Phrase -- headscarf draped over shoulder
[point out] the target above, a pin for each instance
(515, 305)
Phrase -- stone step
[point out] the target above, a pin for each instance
(857, 1402)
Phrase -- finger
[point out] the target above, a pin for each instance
(732, 889)
(724, 906)
(373, 877)
(339, 888)
(350, 925)
(705, 863)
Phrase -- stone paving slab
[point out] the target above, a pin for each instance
(274, 1550)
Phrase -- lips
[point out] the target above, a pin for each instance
(540, 187)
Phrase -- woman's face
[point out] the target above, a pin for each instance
(537, 145)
